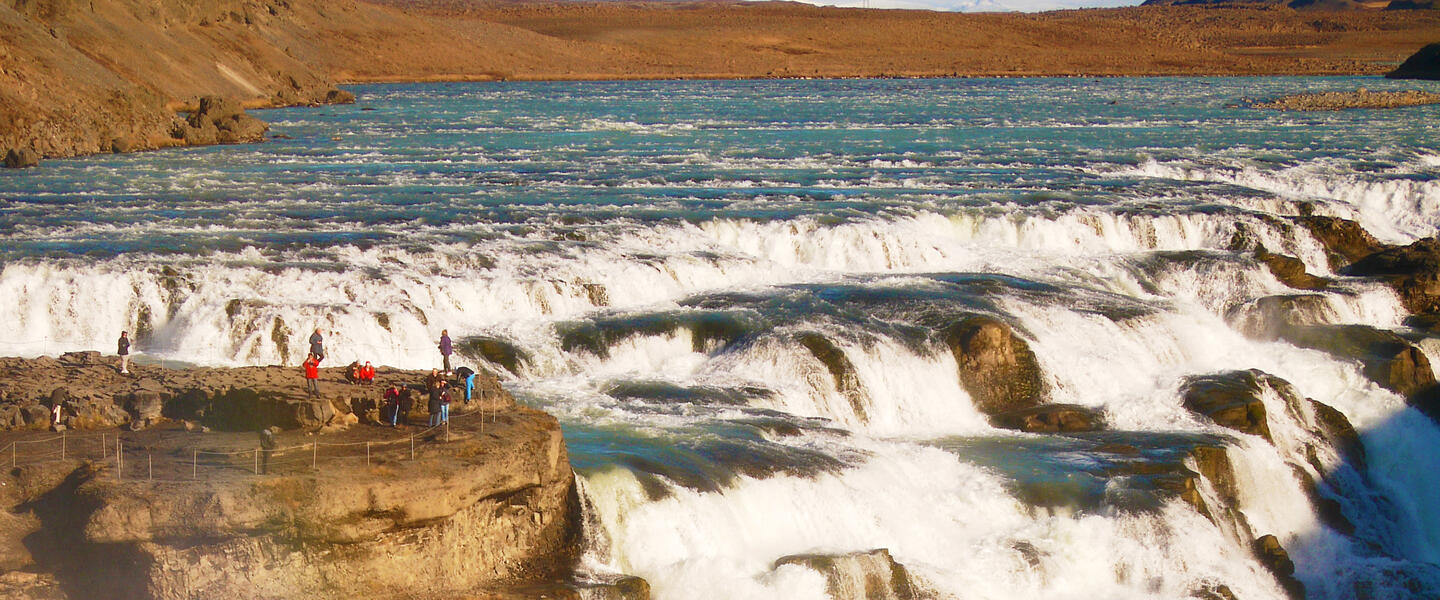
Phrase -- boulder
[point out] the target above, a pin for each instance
(145, 407)
(219, 120)
(1217, 591)
(1275, 559)
(1290, 270)
(996, 367)
(1230, 399)
(1424, 64)
(36, 416)
(123, 143)
(867, 575)
(10, 417)
(1413, 270)
(339, 96)
(1344, 241)
(20, 158)
(1051, 418)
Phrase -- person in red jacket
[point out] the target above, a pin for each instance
(312, 375)
(367, 373)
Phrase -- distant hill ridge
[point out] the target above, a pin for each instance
(1307, 4)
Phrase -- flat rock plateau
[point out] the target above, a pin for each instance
(110, 75)
(343, 506)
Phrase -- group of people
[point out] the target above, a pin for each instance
(397, 400)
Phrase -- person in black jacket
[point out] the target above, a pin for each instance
(124, 351)
(434, 405)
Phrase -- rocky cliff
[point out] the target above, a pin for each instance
(337, 509)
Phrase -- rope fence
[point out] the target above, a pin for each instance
(131, 460)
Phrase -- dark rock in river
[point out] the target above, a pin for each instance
(1275, 559)
(869, 575)
(1345, 241)
(506, 355)
(1424, 64)
(1274, 317)
(997, 368)
(20, 158)
(1213, 592)
(1230, 399)
(1051, 418)
(1290, 270)
(1413, 270)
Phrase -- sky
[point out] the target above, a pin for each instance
(977, 5)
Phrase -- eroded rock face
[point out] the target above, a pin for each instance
(997, 367)
(847, 382)
(1345, 241)
(1413, 270)
(20, 158)
(481, 510)
(1290, 270)
(1389, 360)
(869, 575)
(1424, 64)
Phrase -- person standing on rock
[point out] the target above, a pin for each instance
(446, 348)
(267, 447)
(312, 376)
(124, 351)
(317, 346)
(444, 402)
(391, 410)
(406, 403)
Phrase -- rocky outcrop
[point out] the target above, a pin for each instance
(1051, 418)
(488, 504)
(1387, 358)
(497, 351)
(20, 158)
(1275, 559)
(1361, 98)
(1345, 241)
(1424, 64)
(996, 366)
(1290, 270)
(1230, 399)
(219, 120)
(1413, 270)
(867, 575)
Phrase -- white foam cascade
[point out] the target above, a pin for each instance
(1397, 210)
(972, 543)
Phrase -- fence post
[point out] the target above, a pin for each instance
(119, 458)
(104, 450)
(367, 454)
(447, 430)
(150, 461)
(12, 454)
(194, 464)
(412, 446)
(314, 454)
(257, 461)
(62, 445)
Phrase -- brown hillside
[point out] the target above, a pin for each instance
(107, 75)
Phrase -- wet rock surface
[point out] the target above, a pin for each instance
(996, 366)
(1413, 270)
(1051, 418)
(1345, 241)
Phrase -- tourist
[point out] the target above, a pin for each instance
(434, 405)
(312, 376)
(468, 375)
(391, 408)
(406, 403)
(444, 402)
(353, 373)
(367, 373)
(446, 348)
(317, 345)
(433, 381)
(124, 351)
